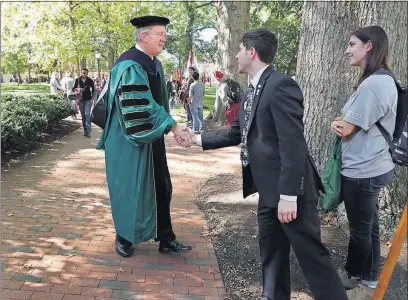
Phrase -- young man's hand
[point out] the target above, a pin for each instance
(287, 211)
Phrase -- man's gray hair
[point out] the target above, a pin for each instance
(139, 31)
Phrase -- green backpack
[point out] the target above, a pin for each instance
(331, 179)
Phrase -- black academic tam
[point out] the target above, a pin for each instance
(149, 21)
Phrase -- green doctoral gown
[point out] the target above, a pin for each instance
(134, 122)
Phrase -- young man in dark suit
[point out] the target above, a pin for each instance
(276, 164)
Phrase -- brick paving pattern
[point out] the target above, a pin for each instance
(58, 235)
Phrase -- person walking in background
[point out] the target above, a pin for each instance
(367, 165)
(103, 80)
(276, 164)
(195, 100)
(190, 80)
(84, 87)
(55, 85)
(169, 88)
(68, 83)
(98, 88)
(174, 91)
(231, 94)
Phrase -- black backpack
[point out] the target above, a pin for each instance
(399, 142)
(235, 92)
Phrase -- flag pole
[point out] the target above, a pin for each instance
(389, 265)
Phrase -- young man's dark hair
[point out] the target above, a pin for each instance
(263, 41)
(84, 69)
(196, 75)
(191, 68)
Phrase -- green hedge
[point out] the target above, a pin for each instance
(25, 117)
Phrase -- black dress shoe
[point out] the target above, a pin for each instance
(173, 246)
(123, 247)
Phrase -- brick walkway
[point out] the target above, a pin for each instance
(57, 230)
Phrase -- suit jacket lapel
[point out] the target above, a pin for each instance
(258, 92)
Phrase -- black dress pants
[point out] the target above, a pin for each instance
(163, 192)
(303, 234)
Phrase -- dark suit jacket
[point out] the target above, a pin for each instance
(278, 154)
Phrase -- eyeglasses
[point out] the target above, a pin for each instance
(160, 34)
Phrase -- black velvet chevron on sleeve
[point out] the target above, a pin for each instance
(139, 128)
(129, 88)
(137, 115)
(134, 102)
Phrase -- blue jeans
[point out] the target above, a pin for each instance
(197, 114)
(361, 200)
(85, 108)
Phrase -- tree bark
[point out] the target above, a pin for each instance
(189, 29)
(78, 67)
(327, 79)
(19, 80)
(232, 23)
(83, 63)
(111, 59)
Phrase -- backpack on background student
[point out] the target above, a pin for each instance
(398, 143)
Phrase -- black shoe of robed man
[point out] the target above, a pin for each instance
(123, 247)
(173, 246)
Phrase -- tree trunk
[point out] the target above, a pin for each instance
(189, 29)
(232, 23)
(78, 67)
(72, 30)
(217, 114)
(111, 59)
(328, 84)
(19, 80)
(83, 63)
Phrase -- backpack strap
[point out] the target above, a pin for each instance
(385, 135)
(397, 82)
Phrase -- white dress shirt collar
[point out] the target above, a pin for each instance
(257, 76)
(140, 49)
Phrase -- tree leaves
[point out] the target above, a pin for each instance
(58, 38)
(284, 19)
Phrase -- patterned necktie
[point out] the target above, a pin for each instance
(248, 108)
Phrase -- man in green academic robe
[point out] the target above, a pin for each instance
(133, 138)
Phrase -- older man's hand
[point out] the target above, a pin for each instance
(183, 138)
(192, 134)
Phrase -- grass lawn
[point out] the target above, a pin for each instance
(44, 88)
(209, 99)
(12, 87)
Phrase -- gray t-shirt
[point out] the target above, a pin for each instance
(365, 152)
(197, 93)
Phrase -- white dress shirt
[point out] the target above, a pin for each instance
(140, 49)
(254, 83)
(257, 76)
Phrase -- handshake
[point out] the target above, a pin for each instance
(184, 136)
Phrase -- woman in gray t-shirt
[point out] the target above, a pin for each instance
(367, 165)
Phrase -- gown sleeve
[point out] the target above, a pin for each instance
(142, 120)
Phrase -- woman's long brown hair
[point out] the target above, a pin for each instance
(378, 57)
